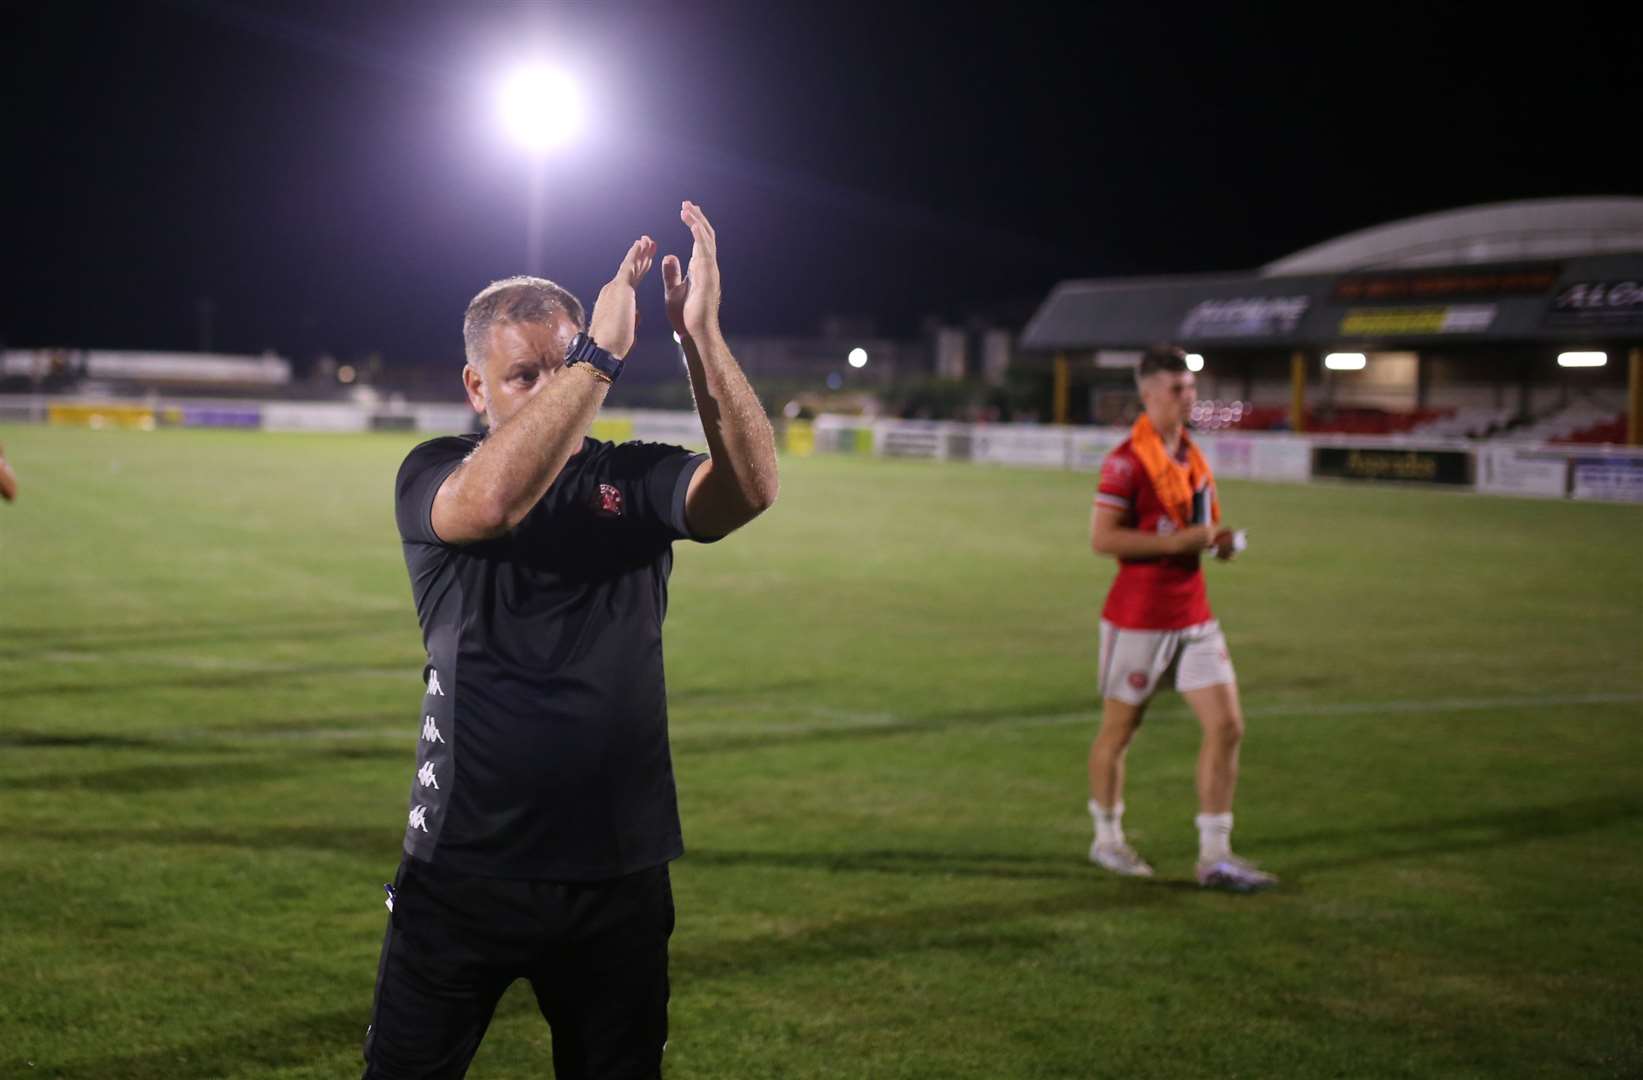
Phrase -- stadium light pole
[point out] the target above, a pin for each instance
(541, 110)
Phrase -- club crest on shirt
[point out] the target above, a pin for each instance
(1116, 469)
(607, 501)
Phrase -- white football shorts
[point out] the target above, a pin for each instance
(1135, 663)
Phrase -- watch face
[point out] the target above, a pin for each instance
(584, 350)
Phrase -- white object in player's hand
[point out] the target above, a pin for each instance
(1230, 543)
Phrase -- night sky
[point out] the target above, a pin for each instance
(332, 177)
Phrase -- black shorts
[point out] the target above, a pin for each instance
(595, 954)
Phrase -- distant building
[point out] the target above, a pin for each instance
(1478, 308)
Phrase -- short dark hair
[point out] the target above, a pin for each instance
(517, 300)
(1161, 358)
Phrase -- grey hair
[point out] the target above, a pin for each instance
(517, 300)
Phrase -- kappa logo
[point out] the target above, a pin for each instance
(419, 818)
(608, 503)
(430, 730)
(1138, 680)
(434, 689)
(426, 775)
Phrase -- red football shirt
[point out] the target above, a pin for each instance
(1165, 593)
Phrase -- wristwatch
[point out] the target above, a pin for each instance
(584, 350)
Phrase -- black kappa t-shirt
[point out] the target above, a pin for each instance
(543, 749)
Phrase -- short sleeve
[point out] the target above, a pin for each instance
(655, 478)
(1118, 483)
(420, 477)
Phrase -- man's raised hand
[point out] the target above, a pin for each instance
(693, 296)
(616, 312)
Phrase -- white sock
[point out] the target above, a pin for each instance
(1214, 836)
(1109, 824)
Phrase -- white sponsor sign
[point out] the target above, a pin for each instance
(1010, 444)
(288, 416)
(1090, 446)
(1508, 470)
(910, 439)
(1257, 457)
(1287, 457)
(443, 419)
(1228, 455)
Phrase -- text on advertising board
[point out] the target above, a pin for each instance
(1243, 317)
(1455, 319)
(1608, 303)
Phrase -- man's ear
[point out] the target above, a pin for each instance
(474, 384)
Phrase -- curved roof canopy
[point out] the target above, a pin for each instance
(1498, 232)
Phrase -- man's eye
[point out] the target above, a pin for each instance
(526, 376)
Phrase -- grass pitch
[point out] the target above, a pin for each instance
(881, 696)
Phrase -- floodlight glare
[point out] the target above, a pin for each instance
(858, 358)
(541, 108)
(1346, 361)
(1582, 359)
(1195, 361)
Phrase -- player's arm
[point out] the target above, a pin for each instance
(1110, 536)
(491, 492)
(738, 482)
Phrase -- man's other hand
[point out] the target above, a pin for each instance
(693, 296)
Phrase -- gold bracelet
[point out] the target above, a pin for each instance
(596, 373)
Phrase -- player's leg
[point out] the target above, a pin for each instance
(1207, 681)
(1128, 662)
(1119, 722)
(446, 960)
(603, 987)
(1222, 721)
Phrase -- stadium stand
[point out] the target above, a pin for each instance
(1470, 422)
(1585, 417)
(1354, 420)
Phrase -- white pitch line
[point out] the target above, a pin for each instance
(203, 663)
(872, 721)
(841, 720)
(1357, 708)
